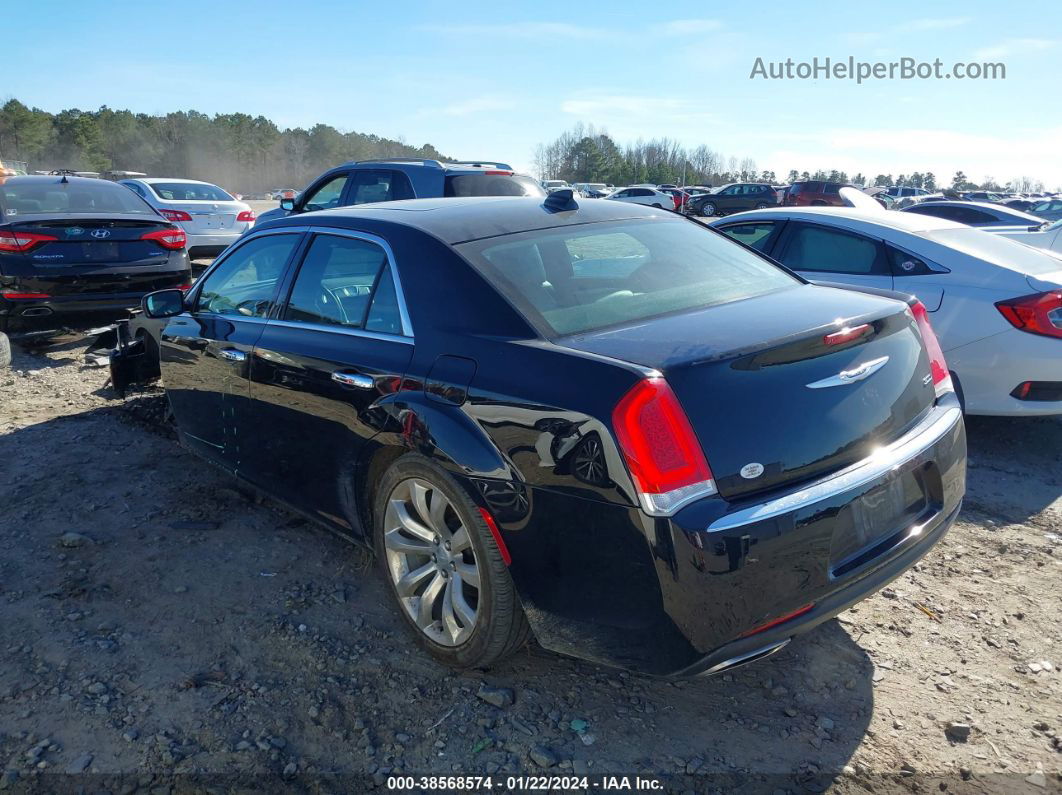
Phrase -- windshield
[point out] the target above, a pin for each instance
(586, 277)
(189, 192)
(998, 250)
(82, 196)
(488, 184)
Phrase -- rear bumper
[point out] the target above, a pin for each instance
(990, 368)
(64, 313)
(210, 245)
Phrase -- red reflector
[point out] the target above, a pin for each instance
(172, 239)
(24, 296)
(246, 216)
(21, 242)
(937, 365)
(493, 527)
(1023, 390)
(1037, 314)
(846, 334)
(788, 617)
(175, 215)
(657, 440)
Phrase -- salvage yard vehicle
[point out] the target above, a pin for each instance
(650, 197)
(393, 179)
(77, 253)
(733, 198)
(1048, 237)
(210, 217)
(995, 217)
(593, 421)
(996, 304)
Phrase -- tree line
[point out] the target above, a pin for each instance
(241, 152)
(585, 154)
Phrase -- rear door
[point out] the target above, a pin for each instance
(828, 254)
(760, 235)
(205, 352)
(339, 343)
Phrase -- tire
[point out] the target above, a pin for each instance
(498, 626)
(708, 209)
(5, 350)
(761, 206)
(657, 206)
(818, 203)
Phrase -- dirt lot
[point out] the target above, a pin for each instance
(158, 627)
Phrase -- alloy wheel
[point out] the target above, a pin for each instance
(708, 209)
(432, 562)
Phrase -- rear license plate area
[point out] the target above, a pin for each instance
(876, 521)
(99, 252)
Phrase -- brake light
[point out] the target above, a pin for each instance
(500, 173)
(14, 296)
(937, 365)
(846, 334)
(172, 239)
(662, 452)
(21, 242)
(246, 216)
(175, 215)
(1036, 314)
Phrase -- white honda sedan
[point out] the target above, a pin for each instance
(1049, 238)
(210, 217)
(995, 304)
(650, 197)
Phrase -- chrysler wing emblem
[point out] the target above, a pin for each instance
(865, 370)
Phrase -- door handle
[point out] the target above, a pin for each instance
(233, 355)
(355, 380)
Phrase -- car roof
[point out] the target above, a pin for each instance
(55, 179)
(457, 220)
(1001, 209)
(177, 180)
(906, 222)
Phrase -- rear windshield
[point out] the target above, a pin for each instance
(491, 185)
(92, 196)
(189, 192)
(582, 278)
(998, 250)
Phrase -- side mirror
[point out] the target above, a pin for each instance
(287, 205)
(163, 303)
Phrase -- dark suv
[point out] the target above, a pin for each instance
(815, 193)
(733, 198)
(365, 181)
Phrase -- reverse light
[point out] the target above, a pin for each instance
(1037, 314)
(246, 216)
(172, 239)
(937, 365)
(175, 215)
(21, 242)
(662, 452)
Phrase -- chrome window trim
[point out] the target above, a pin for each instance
(243, 240)
(939, 422)
(347, 330)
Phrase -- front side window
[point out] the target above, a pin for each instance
(336, 283)
(577, 279)
(245, 283)
(816, 248)
(326, 196)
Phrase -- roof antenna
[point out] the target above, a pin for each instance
(561, 200)
(64, 180)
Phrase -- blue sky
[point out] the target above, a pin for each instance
(492, 80)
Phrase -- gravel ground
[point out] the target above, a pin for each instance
(159, 627)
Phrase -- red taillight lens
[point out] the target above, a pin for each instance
(21, 242)
(499, 173)
(1037, 314)
(175, 215)
(847, 334)
(246, 216)
(172, 239)
(14, 296)
(662, 452)
(937, 364)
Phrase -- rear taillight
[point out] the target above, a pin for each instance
(175, 215)
(17, 296)
(937, 364)
(678, 202)
(21, 242)
(662, 452)
(246, 216)
(1037, 314)
(172, 239)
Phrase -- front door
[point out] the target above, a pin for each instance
(205, 352)
(339, 344)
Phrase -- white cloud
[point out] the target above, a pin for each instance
(1014, 47)
(932, 23)
(686, 27)
(468, 107)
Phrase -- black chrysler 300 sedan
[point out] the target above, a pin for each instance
(602, 424)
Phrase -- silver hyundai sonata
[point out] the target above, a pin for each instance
(210, 217)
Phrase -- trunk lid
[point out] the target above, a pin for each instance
(207, 217)
(764, 392)
(91, 255)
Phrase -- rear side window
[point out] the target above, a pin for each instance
(815, 248)
(380, 186)
(88, 196)
(577, 279)
(756, 235)
(245, 283)
(189, 192)
(487, 184)
(336, 283)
